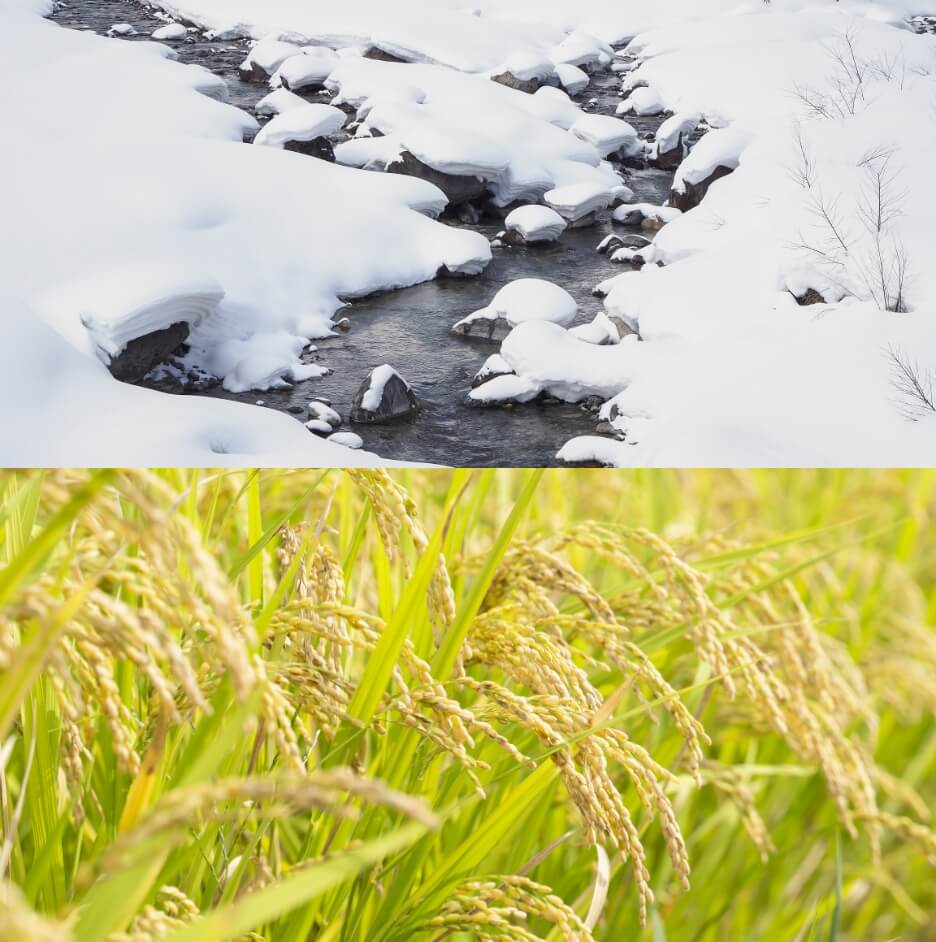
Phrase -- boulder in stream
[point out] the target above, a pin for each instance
(384, 397)
(457, 189)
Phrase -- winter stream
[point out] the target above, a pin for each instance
(411, 328)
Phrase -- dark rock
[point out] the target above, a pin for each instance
(254, 74)
(630, 241)
(671, 159)
(321, 147)
(591, 405)
(695, 192)
(397, 403)
(811, 296)
(381, 55)
(144, 353)
(511, 81)
(456, 189)
(296, 410)
(483, 376)
(344, 325)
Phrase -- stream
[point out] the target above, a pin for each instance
(411, 328)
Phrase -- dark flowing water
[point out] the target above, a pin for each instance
(411, 329)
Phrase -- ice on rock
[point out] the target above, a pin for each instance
(171, 31)
(536, 223)
(305, 124)
(310, 68)
(523, 300)
(642, 102)
(267, 56)
(278, 102)
(608, 135)
(576, 201)
(121, 29)
(573, 79)
(347, 440)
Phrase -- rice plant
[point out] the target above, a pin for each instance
(432, 705)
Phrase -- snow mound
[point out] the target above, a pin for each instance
(347, 440)
(117, 306)
(573, 79)
(526, 299)
(311, 67)
(308, 123)
(607, 135)
(278, 102)
(721, 147)
(578, 200)
(642, 101)
(546, 358)
(170, 31)
(593, 449)
(268, 55)
(536, 223)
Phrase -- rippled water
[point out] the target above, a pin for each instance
(410, 329)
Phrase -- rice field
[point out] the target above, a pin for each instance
(370, 706)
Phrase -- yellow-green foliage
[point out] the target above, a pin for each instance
(373, 707)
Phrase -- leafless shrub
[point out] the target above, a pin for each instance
(915, 386)
(847, 86)
(874, 255)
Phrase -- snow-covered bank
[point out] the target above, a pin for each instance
(116, 167)
(812, 110)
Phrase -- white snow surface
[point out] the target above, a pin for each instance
(729, 369)
(528, 299)
(157, 181)
(536, 223)
(313, 120)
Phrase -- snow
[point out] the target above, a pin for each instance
(645, 214)
(527, 299)
(642, 101)
(311, 67)
(101, 313)
(268, 55)
(465, 125)
(547, 358)
(573, 79)
(307, 123)
(375, 391)
(721, 147)
(170, 31)
(674, 129)
(279, 101)
(132, 183)
(346, 440)
(607, 135)
(577, 200)
(729, 368)
(122, 29)
(536, 223)
(593, 448)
